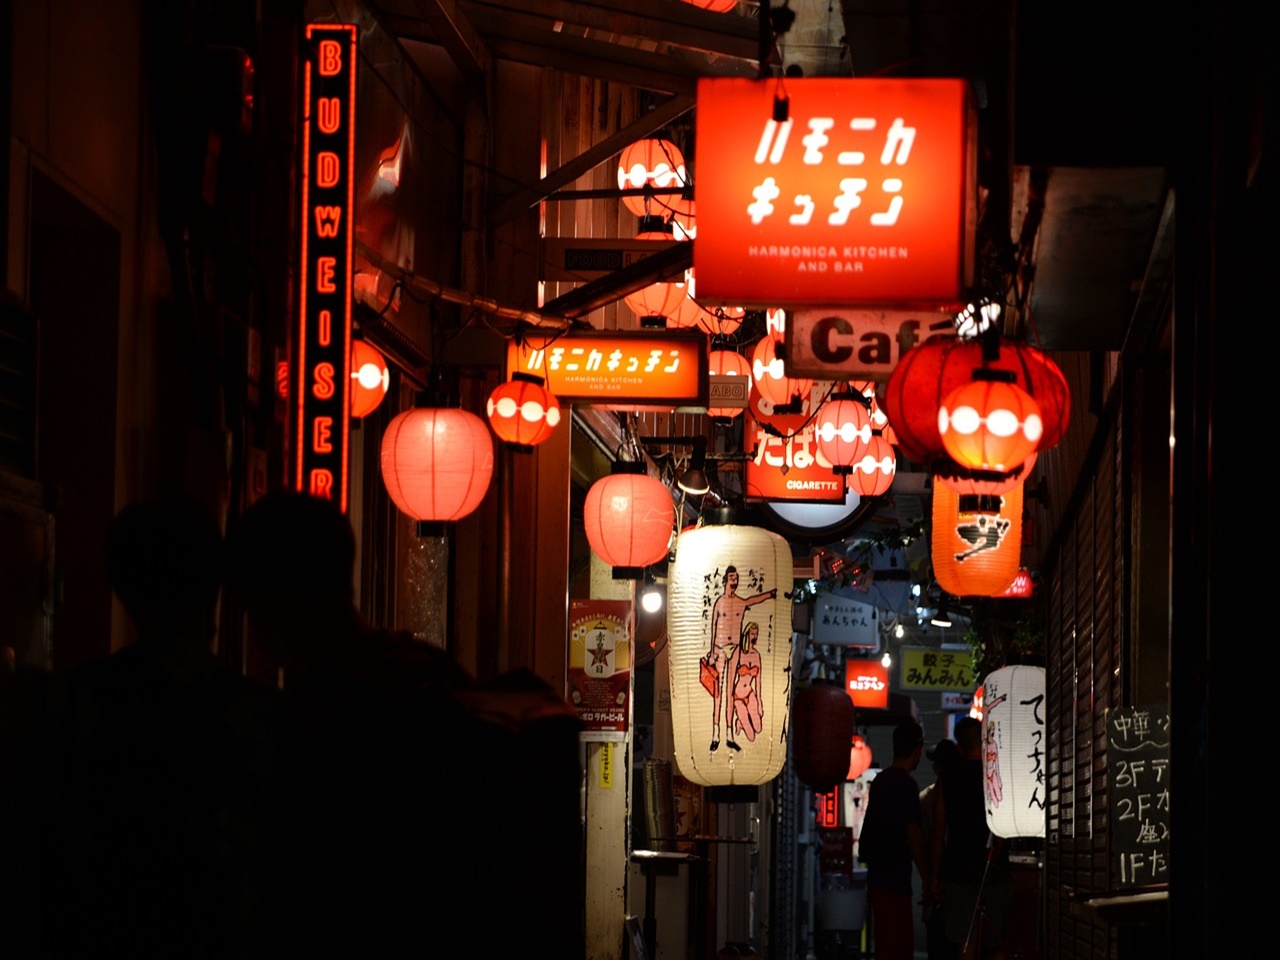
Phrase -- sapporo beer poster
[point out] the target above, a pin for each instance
(600, 666)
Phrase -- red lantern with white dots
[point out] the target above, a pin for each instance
(370, 378)
(928, 372)
(990, 423)
(873, 473)
(629, 518)
(844, 431)
(522, 411)
(727, 363)
(771, 377)
(437, 462)
(653, 162)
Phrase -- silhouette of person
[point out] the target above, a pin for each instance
(389, 835)
(727, 614)
(942, 756)
(890, 842)
(164, 757)
(970, 864)
(746, 667)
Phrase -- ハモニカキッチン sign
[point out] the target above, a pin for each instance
(835, 190)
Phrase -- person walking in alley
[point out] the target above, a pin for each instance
(970, 870)
(891, 842)
(162, 763)
(942, 756)
(392, 835)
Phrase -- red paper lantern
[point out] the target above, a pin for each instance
(652, 162)
(727, 363)
(981, 482)
(822, 726)
(715, 6)
(522, 411)
(989, 424)
(370, 378)
(874, 472)
(656, 303)
(927, 374)
(976, 544)
(629, 517)
(859, 758)
(843, 431)
(437, 462)
(770, 376)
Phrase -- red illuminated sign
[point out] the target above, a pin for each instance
(629, 369)
(321, 391)
(828, 807)
(863, 193)
(867, 682)
(786, 464)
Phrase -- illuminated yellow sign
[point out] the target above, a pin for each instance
(923, 668)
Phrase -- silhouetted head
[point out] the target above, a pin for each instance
(908, 739)
(165, 563)
(969, 737)
(293, 552)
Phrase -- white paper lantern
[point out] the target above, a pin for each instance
(1014, 750)
(729, 643)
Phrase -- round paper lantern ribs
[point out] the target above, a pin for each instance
(926, 376)
(822, 725)
(859, 757)
(1014, 750)
(654, 163)
(629, 517)
(727, 363)
(729, 643)
(437, 462)
(976, 542)
(370, 378)
(522, 411)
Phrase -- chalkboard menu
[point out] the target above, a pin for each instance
(1138, 788)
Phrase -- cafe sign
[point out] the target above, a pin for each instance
(838, 343)
(638, 368)
(835, 190)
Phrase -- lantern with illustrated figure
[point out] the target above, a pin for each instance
(822, 726)
(522, 411)
(859, 757)
(437, 462)
(655, 163)
(1014, 745)
(976, 545)
(729, 644)
(628, 517)
(370, 378)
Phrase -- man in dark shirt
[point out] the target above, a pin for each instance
(968, 863)
(890, 842)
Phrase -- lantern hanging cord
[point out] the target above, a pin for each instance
(422, 289)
